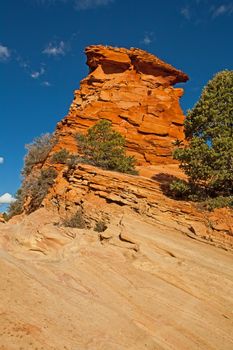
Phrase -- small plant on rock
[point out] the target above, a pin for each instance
(61, 156)
(100, 226)
(75, 221)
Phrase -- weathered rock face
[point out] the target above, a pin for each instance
(134, 90)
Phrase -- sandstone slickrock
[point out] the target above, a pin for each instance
(134, 90)
(148, 286)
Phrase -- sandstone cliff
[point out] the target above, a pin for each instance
(134, 90)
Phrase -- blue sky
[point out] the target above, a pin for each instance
(42, 60)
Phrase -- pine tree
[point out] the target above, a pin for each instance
(207, 160)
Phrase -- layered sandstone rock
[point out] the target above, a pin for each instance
(102, 194)
(134, 90)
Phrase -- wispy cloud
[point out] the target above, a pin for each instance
(148, 38)
(55, 49)
(201, 11)
(186, 12)
(90, 4)
(77, 4)
(223, 9)
(50, 2)
(37, 74)
(7, 198)
(26, 66)
(1, 160)
(4, 53)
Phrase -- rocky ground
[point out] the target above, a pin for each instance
(144, 283)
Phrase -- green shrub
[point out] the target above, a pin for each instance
(75, 221)
(104, 147)
(100, 226)
(38, 151)
(179, 189)
(217, 202)
(61, 156)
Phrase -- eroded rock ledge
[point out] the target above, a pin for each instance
(104, 193)
(134, 90)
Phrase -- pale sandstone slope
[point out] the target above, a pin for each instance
(141, 284)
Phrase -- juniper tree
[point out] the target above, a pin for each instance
(207, 160)
(104, 147)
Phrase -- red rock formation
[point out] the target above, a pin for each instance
(134, 90)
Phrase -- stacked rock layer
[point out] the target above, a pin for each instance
(134, 90)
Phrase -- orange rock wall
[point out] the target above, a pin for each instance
(134, 90)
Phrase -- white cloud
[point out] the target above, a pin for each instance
(185, 12)
(148, 38)
(89, 4)
(46, 83)
(222, 9)
(4, 53)
(55, 49)
(1, 160)
(37, 74)
(7, 198)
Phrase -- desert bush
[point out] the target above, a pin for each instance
(100, 226)
(36, 183)
(38, 187)
(35, 187)
(16, 208)
(73, 161)
(179, 189)
(75, 221)
(104, 147)
(38, 151)
(61, 156)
